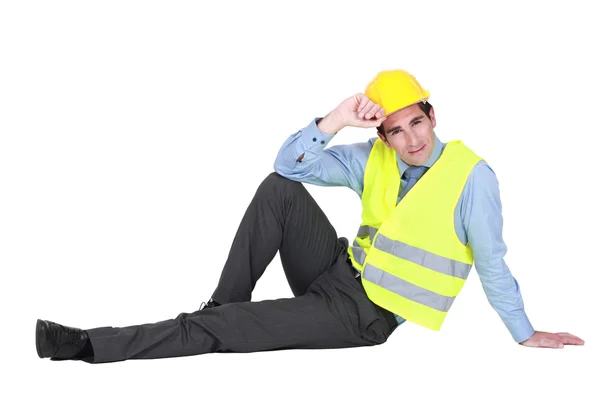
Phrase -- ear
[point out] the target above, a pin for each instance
(382, 137)
(432, 117)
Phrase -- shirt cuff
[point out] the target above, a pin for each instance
(313, 138)
(520, 329)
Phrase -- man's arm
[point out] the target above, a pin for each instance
(482, 219)
(303, 156)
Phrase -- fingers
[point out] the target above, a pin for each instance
(552, 340)
(363, 102)
(370, 111)
(367, 109)
(372, 123)
(551, 343)
(567, 338)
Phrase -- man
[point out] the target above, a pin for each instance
(409, 260)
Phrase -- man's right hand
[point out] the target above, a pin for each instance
(356, 111)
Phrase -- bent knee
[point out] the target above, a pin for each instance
(274, 181)
(275, 185)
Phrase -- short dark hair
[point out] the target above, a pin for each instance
(424, 106)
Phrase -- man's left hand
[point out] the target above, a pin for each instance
(552, 340)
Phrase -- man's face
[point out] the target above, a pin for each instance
(410, 133)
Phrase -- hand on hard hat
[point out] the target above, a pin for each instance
(368, 110)
(357, 111)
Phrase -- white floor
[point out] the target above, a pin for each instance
(133, 136)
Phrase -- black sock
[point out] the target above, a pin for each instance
(87, 350)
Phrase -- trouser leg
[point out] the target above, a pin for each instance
(282, 216)
(333, 313)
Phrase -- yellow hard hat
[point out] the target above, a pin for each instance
(394, 90)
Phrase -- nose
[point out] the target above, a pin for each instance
(412, 139)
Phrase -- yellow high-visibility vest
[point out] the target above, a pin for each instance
(412, 262)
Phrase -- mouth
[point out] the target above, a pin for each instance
(417, 151)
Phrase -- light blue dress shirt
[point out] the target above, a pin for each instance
(478, 216)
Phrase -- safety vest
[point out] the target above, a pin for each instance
(411, 260)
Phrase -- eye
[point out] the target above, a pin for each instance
(417, 122)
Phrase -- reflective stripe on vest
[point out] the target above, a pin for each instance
(358, 251)
(406, 289)
(418, 256)
(367, 230)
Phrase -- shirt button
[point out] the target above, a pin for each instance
(314, 139)
(322, 142)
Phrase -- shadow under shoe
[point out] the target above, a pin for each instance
(61, 342)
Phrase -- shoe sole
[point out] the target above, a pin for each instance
(38, 332)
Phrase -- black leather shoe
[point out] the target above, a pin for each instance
(57, 341)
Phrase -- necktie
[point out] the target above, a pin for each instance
(413, 174)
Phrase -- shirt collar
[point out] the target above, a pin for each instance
(438, 147)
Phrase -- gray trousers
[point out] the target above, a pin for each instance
(329, 309)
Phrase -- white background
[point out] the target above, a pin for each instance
(134, 134)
